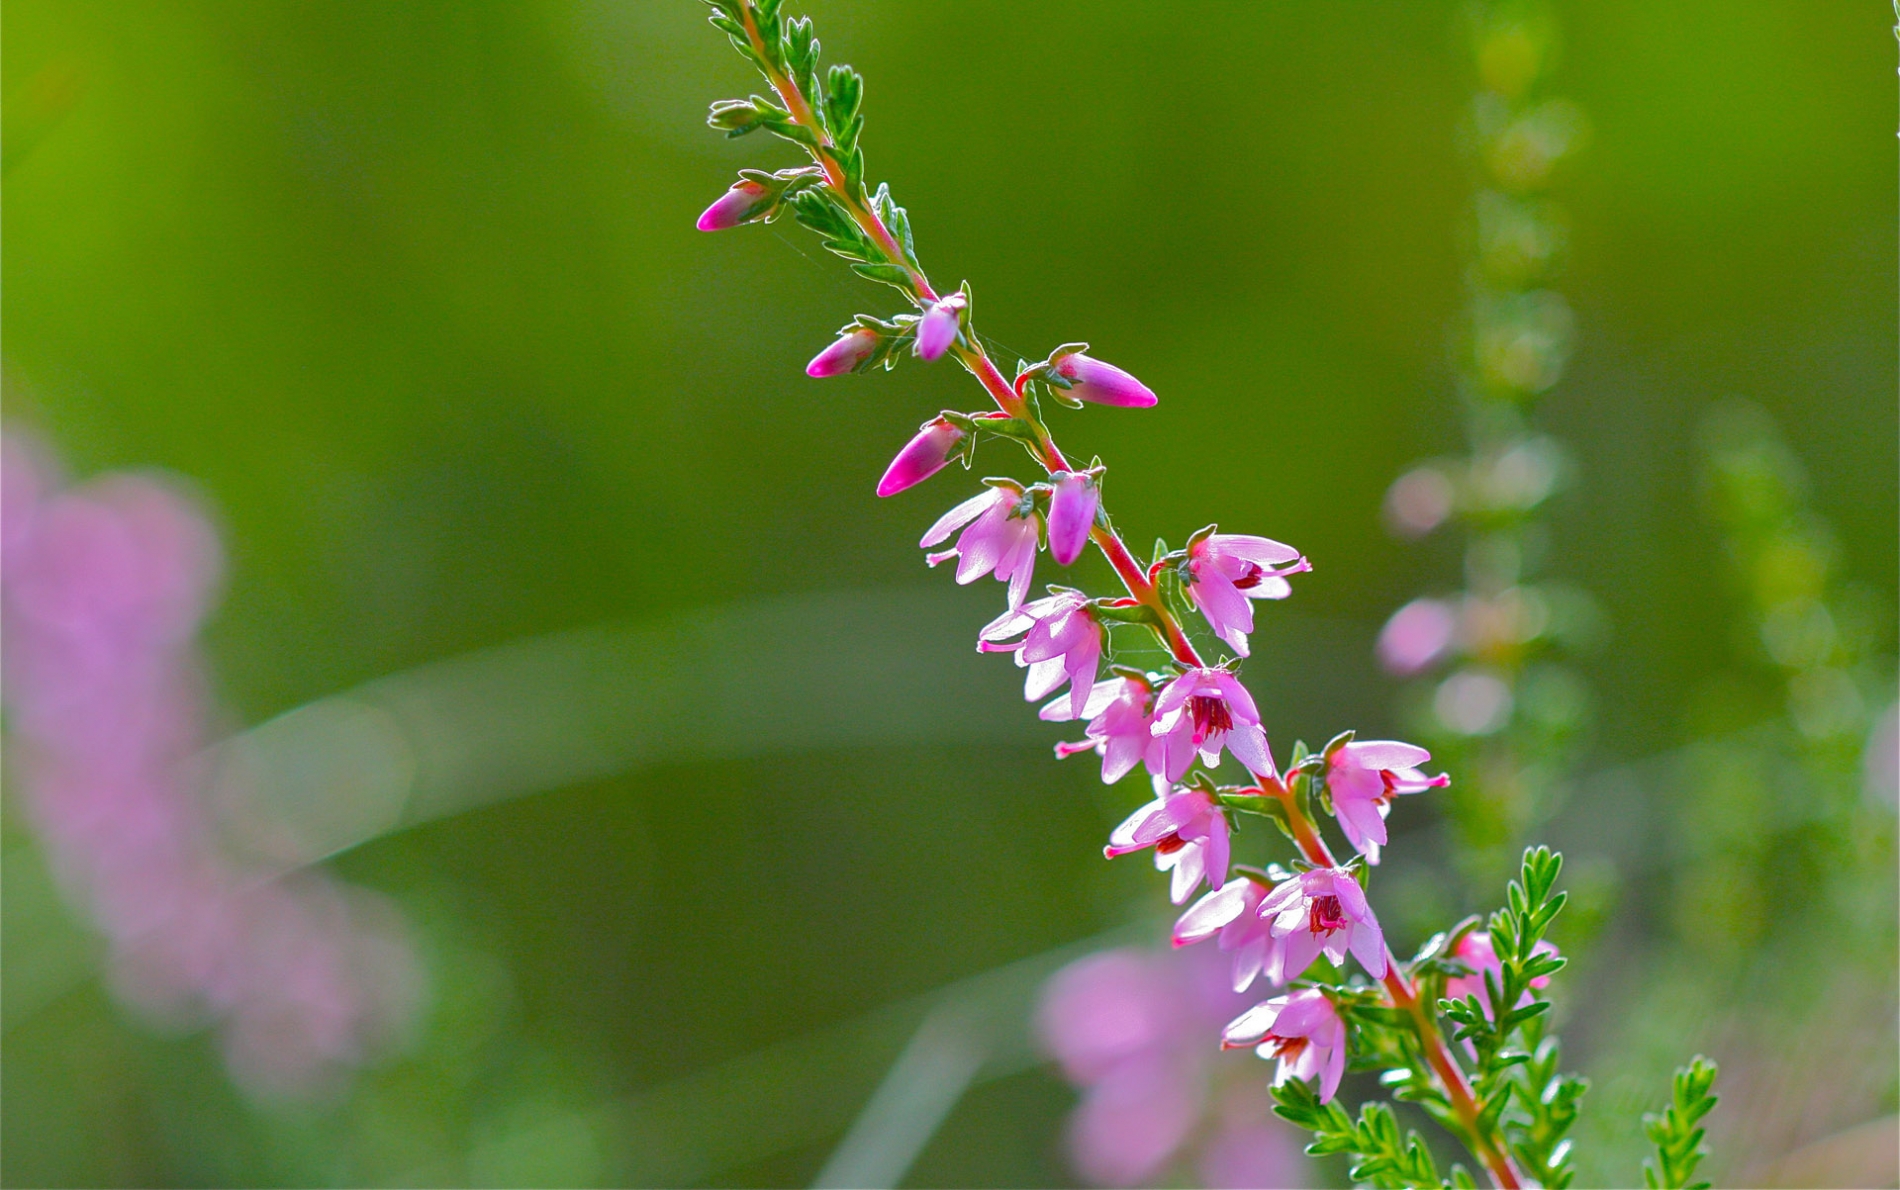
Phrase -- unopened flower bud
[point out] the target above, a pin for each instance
(741, 204)
(938, 328)
(922, 457)
(845, 353)
(1072, 514)
(1105, 384)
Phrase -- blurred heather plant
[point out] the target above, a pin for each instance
(103, 588)
(1460, 1030)
(1499, 704)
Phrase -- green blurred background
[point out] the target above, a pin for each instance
(411, 293)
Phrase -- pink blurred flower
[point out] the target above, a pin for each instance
(1130, 1028)
(939, 326)
(1417, 634)
(1104, 384)
(1189, 834)
(1303, 1030)
(102, 592)
(1323, 909)
(1001, 537)
(844, 355)
(1203, 711)
(1118, 728)
(1228, 571)
(1363, 777)
(1072, 510)
(1478, 952)
(1061, 643)
(737, 205)
(1419, 501)
(922, 457)
(1233, 913)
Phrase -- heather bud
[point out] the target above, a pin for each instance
(922, 457)
(1088, 379)
(845, 353)
(1071, 514)
(939, 326)
(746, 201)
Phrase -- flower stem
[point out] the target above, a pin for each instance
(1485, 1146)
(972, 356)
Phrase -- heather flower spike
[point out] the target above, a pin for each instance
(1186, 712)
(1061, 642)
(1302, 1030)
(1228, 570)
(1001, 537)
(1324, 910)
(937, 442)
(1189, 834)
(1363, 777)
(1072, 508)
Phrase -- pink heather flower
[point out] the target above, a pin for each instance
(1118, 729)
(1233, 913)
(1417, 634)
(1477, 952)
(1323, 910)
(1202, 711)
(939, 326)
(1303, 1030)
(1063, 643)
(1363, 777)
(1228, 570)
(737, 205)
(922, 457)
(1001, 537)
(846, 352)
(1072, 514)
(1189, 834)
(1104, 384)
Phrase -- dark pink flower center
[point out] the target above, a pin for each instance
(1251, 579)
(1324, 915)
(1210, 714)
(1170, 845)
(1287, 1049)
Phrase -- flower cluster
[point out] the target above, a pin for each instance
(104, 588)
(1180, 722)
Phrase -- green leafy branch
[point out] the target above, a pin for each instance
(1381, 1156)
(1677, 1133)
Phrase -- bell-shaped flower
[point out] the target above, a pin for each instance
(1203, 711)
(1189, 834)
(1072, 509)
(1363, 777)
(934, 446)
(1232, 913)
(938, 328)
(1476, 951)
(1061, 642)
(1228, 570)
(1118, 711)
(846, 352)
(741, 204)
(1104, 384)
(1001, 537)
(1323, 910)
(1303, 1030)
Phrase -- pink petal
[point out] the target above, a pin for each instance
(1387, 754)
(961, 515)
(1261, 551)
(1211, 913)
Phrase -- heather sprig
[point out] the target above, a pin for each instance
(1677, 1132)
(1494, 1085)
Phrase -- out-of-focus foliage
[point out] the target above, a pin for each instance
(411, 294)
